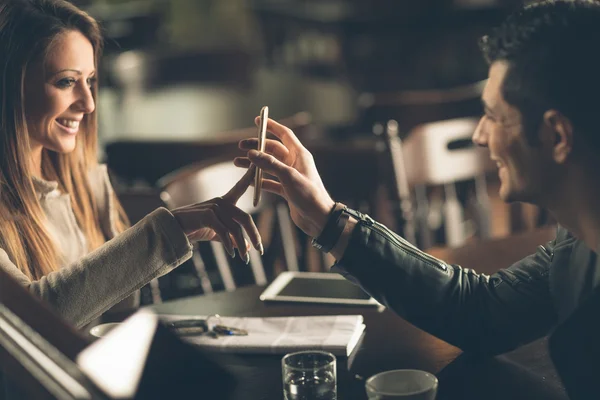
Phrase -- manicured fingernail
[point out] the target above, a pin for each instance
(261, 249)
(247, 258)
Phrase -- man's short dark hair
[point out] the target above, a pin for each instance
(553, 51)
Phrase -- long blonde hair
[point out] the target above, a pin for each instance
(28, 28)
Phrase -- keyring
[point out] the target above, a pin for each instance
(211, 327)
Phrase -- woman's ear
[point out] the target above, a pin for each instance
(560, 131)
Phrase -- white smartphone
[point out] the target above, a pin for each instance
(262, 134)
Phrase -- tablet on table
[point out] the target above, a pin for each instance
(316, 287)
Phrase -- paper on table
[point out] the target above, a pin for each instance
(338, 334)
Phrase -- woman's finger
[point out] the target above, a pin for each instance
(212, 221)
(240, 187)
(247, 245)
(245, 221)
(235, 231)
(269, 185)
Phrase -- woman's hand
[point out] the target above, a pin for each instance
(219, 219)
(298, 179)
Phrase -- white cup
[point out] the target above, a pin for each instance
(103, 329)
(406, 384)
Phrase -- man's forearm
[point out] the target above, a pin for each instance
(469, 310)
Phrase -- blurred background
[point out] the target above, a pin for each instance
(203, 66)
(385, 94)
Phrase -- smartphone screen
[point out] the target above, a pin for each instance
(262, 134)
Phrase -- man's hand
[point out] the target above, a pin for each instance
(298, 179)
(219, 219)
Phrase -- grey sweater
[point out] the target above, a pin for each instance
(88, 284)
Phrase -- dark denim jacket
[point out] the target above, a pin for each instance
(475, 312)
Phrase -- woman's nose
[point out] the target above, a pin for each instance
(86, 103)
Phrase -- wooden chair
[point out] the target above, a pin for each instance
(213, 178)
(434, 159)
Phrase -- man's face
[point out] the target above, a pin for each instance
(523, 169)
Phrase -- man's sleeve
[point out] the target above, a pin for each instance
(475, 312)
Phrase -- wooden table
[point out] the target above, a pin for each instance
(389, 343)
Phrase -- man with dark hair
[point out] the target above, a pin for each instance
(542, 131)
(552, 50)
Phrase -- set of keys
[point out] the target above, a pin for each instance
(198, 326)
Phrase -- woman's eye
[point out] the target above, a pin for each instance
(65, 83)
(91, 81)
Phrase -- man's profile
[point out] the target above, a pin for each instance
(541, 126)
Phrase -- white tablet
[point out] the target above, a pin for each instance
(316, 287)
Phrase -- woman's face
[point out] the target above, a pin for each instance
(58, 93)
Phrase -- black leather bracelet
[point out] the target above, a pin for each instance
(336, 222)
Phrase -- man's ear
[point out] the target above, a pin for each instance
(560, 131)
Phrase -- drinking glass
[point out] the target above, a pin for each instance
(309, 375)
(103, 329)
(405, 384)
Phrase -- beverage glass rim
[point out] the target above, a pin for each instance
(369, 382)
(299, 353)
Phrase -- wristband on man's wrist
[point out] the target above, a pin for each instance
(333, 229)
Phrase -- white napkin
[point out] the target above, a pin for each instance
(338, 334)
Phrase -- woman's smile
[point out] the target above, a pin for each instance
(69, 126)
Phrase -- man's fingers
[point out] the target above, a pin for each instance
(270, 164)
(240, 187)
(242, 162)
(273, 147)
(284, 133)
(272, 186)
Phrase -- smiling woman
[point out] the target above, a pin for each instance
(63, 233)
(58, 94)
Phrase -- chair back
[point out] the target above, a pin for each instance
(203, 181)
(442, 152)
(439, 154)
(212, 178)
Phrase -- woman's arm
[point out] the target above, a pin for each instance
(87, 288)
